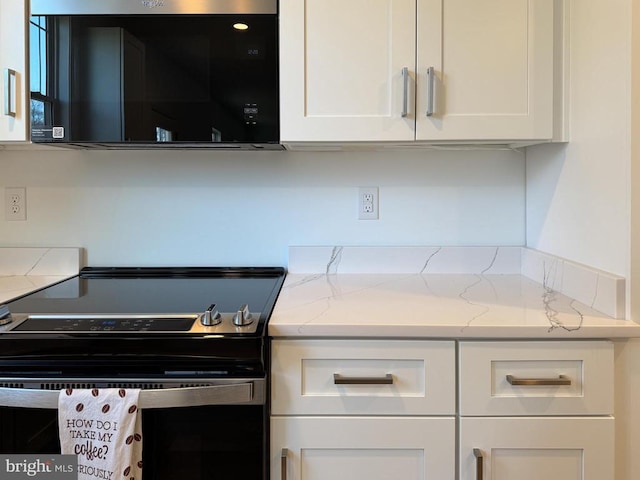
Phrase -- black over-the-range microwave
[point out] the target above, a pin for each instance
(155, 73)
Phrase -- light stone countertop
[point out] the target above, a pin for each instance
(492, 293)
(13, 286)
(477, 304)
(24, 270)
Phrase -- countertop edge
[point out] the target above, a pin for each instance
(436, 306)
(449, 332)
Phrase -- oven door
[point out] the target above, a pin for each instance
(214, 430)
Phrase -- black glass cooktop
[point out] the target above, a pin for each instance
(155, 294)
(142, 321)
(152, 290)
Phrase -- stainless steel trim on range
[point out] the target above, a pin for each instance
(202, 323)
(43, 393)
(151, 7)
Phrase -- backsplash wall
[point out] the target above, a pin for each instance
(239, 208)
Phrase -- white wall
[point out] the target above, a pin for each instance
(215, 208)
(578, 194)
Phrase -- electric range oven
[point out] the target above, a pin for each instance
(194, 341)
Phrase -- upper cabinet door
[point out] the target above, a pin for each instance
(14, 101)
(341, 64)
(492, 70)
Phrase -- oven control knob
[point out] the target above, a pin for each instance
(5, 315)
(243, 317)
(211, 316)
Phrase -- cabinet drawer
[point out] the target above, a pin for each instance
(536, 378)
(368, 377)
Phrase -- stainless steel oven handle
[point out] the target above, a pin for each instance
(237, 393)
(197, 396)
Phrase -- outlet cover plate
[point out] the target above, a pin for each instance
(368, 203)
(15, 203)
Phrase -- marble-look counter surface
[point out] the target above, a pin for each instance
(435, 305)
(23, 270)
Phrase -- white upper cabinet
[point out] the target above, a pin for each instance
(493, 70)
(14, 112)
(475, 70)
(340, 69)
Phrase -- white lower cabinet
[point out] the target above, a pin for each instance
(355, 409)
(536, 410)
(367, 448)
(363, 410)
(530, 448)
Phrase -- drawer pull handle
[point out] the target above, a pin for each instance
(283, 463)
(340, 380)
(537, 382)
(479, 462)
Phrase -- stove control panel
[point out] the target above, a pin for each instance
(211, 322)
(123, 324)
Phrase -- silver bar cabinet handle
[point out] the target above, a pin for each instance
(283, 463)
(539, 382)
(405, 91)
(431, 77)
(340, 380)
(8, 92)
(479, 462)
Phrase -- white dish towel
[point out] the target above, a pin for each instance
(103, 427)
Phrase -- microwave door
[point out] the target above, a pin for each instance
(155, 79)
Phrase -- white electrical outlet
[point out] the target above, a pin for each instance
(15, 203)
(368, 203)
